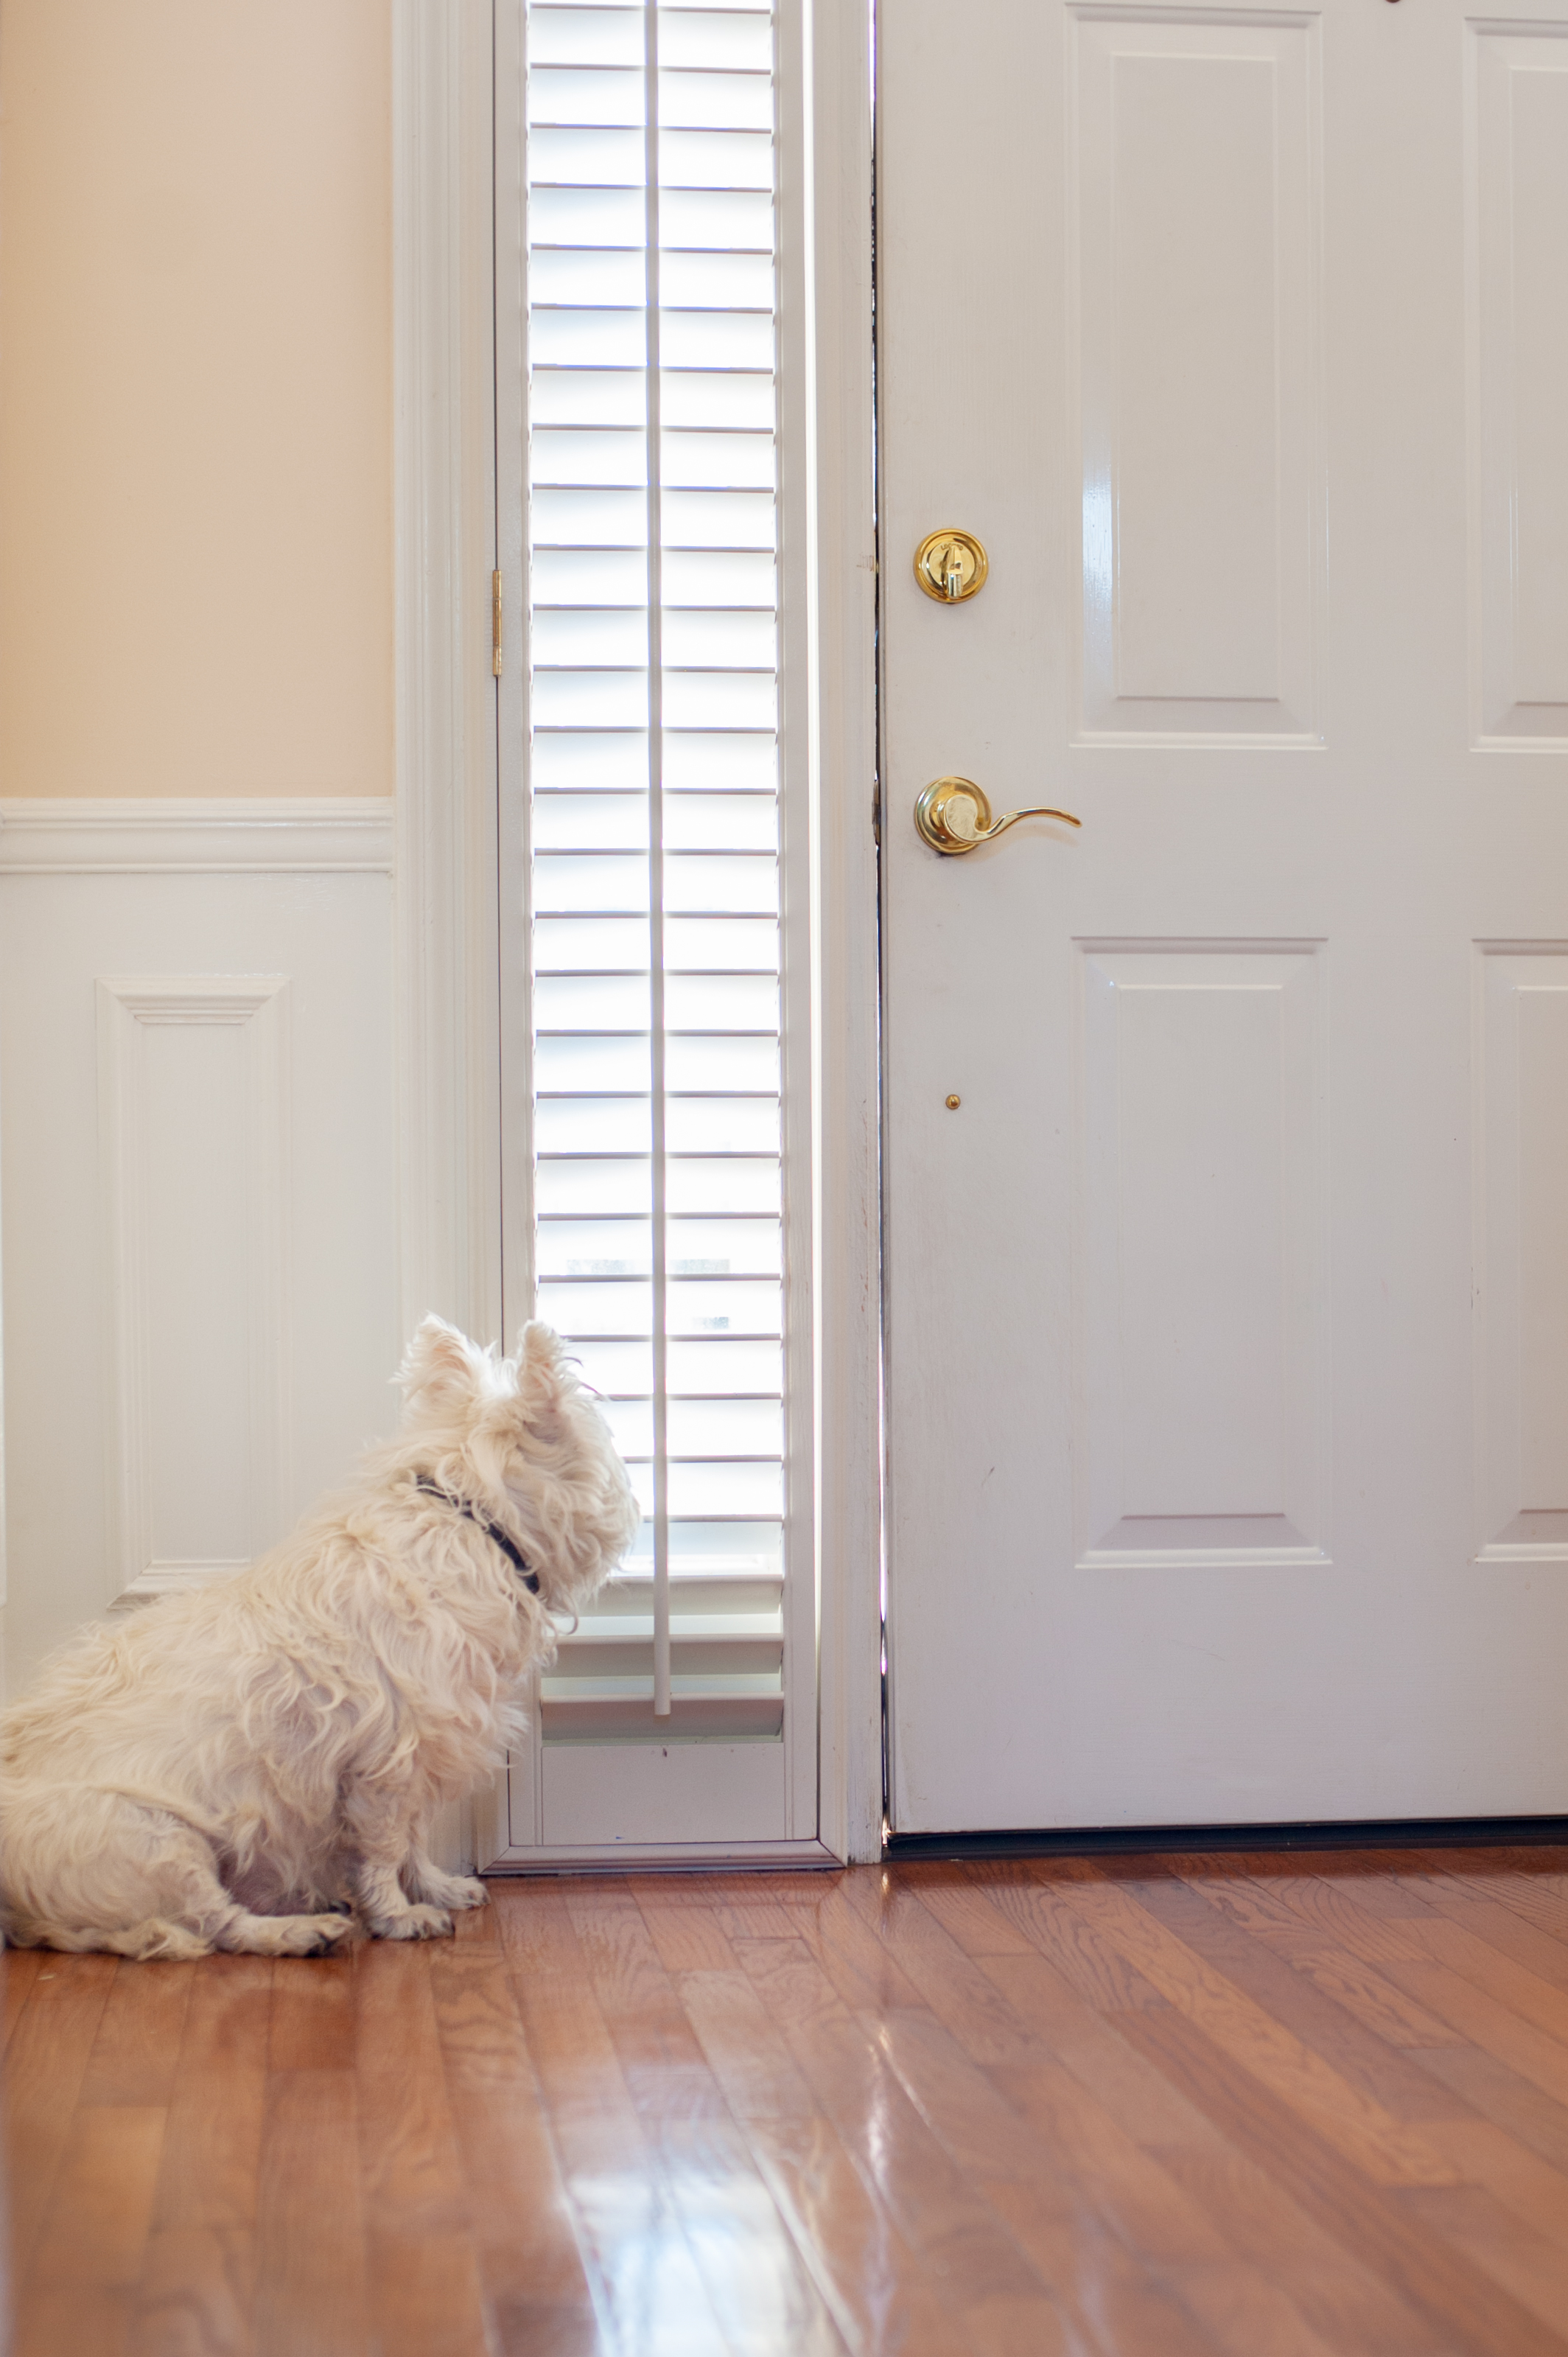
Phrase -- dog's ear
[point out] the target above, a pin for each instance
(541, 1361)
(440, 1371)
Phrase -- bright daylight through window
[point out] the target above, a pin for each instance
(655, 863)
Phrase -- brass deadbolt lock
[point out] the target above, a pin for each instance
(950, 566)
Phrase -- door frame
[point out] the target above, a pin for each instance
(457, 315)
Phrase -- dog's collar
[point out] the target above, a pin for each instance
(508, 1545)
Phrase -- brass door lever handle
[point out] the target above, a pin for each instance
(953, 815)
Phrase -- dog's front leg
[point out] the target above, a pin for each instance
(423, 1878)
(379, 1837)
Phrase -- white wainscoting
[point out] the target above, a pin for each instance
(198, 1185)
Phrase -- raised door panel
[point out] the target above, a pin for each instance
(1521, 1292)
(1518, 246)
(1196, 342)
(1200, 1261)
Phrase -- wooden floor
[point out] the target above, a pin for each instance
(1267, 2106)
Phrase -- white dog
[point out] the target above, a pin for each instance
(219, 1770)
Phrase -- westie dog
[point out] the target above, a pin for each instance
(221, 1769)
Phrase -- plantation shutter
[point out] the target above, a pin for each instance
(667, 942)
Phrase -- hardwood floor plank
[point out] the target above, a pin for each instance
(1035, 2126)
(1502, 1977)
(1469, 2009)
(646, 2288)
(424, 2289)
(1361, 1875)
(1055, 2218)
(688, 1936)
(69, 2316)
(45, 2065)
(425, 2297)
(1512, 1935)
(762, 2295)
(312, 2294)
(1247, 2315)
(1469, 2312)
(874, 2283)
(973, 2258)
(1337, 2292)
(1040, 1903)
(1535, 2191)
(531, 2270)
(979, 2130)
(940, 1975)
(949, 1890)
(1103, 2289)
(1387, 2149)
(860, 1969)
(1350, 1979)
(1336, 2031)
(476, 1927)
(1148, 2210)
(1531, 1883)
(197, 2295)
(1256, 2218)
(1244, 2306)
(88, 2256)
(1522, 2261)
(213, 2150)
(19, 1968)
(1499, 2095)
(312, 2023)
(411, 2179)
(768, 1906)
(1337, 2296)
(1350, 1910)
(135, 2055)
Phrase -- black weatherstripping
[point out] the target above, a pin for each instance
(1114, 1841)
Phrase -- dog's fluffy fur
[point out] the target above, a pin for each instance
(220, 1770)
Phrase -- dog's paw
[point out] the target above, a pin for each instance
(456, 1890)
(332, 1941)
(418, 1923)
(314, 1935)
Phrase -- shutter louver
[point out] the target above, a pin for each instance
(655, 837)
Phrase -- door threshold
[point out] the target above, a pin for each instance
(1115, 1841)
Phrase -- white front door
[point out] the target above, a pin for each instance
(1228, 1138)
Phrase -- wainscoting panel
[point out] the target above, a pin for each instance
(198, 1167)
(193, 1145)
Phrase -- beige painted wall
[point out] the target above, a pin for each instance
(195, 397)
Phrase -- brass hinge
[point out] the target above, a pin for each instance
(496, 624)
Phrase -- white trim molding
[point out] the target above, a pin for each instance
(451, 278)
(846, 1049)
(448, 998)
(444, 373)
(204, 835)
(131, 1142)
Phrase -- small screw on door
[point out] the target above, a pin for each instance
(953, 1103)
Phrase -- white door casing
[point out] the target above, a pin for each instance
(673, 1803)
(1228, 1399)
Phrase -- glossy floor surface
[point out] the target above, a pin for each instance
(1266, 2105)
